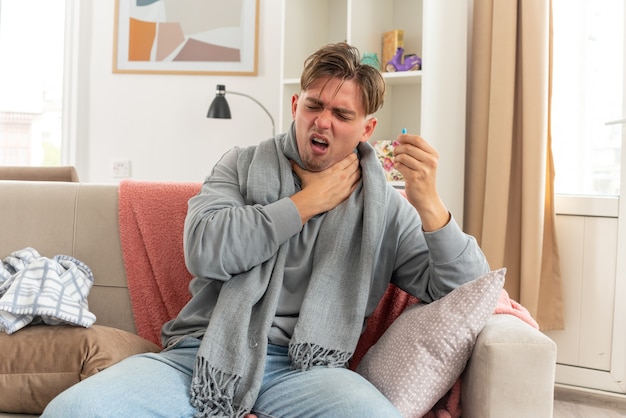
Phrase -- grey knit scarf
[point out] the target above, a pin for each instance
(231, 359)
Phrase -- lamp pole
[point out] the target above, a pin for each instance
(260, 104)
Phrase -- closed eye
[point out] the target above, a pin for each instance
(340, 113)
(344, 115)
(314, 107)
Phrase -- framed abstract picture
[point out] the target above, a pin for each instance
(213, 37)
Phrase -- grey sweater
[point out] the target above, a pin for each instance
(238, 237)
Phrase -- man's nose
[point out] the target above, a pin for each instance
(323, 120)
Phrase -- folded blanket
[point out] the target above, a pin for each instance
(506, 305)
(151, 219)
(36, 288)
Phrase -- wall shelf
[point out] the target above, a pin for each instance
(430, 102)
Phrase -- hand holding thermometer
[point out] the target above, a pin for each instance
(417, 161)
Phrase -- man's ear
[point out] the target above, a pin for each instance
(368, 129)
(294, 105)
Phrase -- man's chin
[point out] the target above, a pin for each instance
(315, 165)
(315, 169)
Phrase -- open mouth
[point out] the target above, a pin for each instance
(319, 144)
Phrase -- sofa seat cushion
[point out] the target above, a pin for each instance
(40, 361)
(424, 351)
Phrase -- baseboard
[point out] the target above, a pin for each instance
(601, 399)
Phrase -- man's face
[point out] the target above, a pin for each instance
(330, 122)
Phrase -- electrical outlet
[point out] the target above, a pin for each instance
(121, 168)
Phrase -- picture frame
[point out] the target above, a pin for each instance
(198, 37)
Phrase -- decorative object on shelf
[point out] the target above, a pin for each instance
(219, 108)
(371, 58)
(384, 152)
(392, 40)
(401, 62)
(175, 37)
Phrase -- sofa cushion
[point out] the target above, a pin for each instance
(424, 351)
(40, 361)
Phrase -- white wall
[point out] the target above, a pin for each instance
(158, 122)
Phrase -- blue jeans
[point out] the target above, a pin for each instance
(157, 385)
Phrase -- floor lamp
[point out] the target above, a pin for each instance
(219, 108)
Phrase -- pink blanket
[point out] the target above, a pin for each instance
(151, 219)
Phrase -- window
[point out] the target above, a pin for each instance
(31, 81)
(587, 100)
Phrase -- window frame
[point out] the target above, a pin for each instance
(610, 207)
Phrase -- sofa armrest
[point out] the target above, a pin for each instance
(511, 371)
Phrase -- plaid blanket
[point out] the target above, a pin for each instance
(39, 289)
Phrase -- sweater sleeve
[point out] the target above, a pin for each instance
(429, 265)
(223, 236)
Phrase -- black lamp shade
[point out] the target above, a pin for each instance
(219, 108)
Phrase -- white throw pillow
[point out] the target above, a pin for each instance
(420, 356)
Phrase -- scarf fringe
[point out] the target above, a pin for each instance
(304, 356)
(212, 392)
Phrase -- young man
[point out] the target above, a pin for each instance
(292, 244)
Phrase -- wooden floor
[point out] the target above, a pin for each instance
(575, 404)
